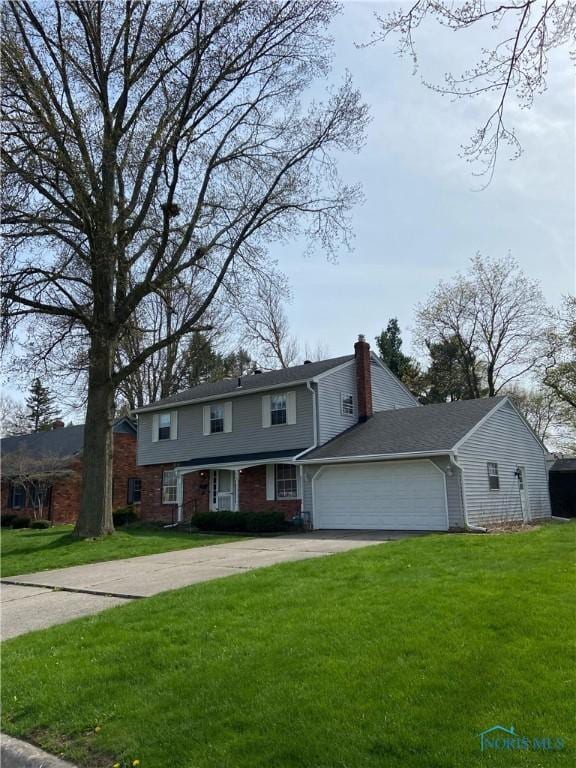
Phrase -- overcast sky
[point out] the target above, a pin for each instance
(424, 217)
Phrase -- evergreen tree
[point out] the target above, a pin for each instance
(389, 344)
(453, 374)
(41, 408)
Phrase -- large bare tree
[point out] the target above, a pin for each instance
(153, 143)
(517, 36)
(494, 316)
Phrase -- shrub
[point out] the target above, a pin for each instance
(124, 516)
(6, 521)
(21, 522)
(40, 524)
(240, 522)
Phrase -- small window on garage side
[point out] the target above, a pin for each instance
(493, 477)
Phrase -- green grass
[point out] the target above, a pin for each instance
(395, 655)
(25, 550)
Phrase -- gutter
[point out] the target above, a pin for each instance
(373, 457)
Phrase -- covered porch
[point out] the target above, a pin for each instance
(257, 482)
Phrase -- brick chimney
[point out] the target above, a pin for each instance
(57, 424)
(363, 379)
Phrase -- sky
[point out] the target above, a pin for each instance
(424, 215)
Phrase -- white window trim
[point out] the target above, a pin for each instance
(489, 475)
(156, 427)
(343, 395)
(175, 486)
(290, 409)
(207, 421)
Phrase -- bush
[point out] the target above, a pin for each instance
(21, 522)
(40, 524)
(124, 516)
(6, 521)
(240, 522)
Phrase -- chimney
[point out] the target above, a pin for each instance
(363, 378)
(57, 424)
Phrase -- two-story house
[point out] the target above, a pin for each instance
(342, 443)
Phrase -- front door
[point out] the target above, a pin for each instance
(523, 492)
(223, 490)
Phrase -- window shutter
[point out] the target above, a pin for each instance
(299, 482)
(155, 428)
(206, 419)
(266, 411)
(174, 425)
(291, 408)
(270, 482)
(228, 416)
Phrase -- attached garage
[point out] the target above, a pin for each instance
(394, 495)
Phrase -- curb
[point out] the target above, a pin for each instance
(20, 754)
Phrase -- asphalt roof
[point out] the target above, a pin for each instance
(243, 457)
(66, 441)
(564, 465)
(253, 381)
(58, 443)
(430, 428)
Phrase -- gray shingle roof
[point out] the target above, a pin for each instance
(253, 381)
(66, 441)
(564, 465)
(431, 428)
(58, 443)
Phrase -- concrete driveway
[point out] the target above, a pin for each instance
(38, 600)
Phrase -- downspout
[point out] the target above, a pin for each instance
(314, 443)
(469, 526)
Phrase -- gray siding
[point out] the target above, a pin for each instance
(456, 517)
(505, 439)
(331, 421)
(247, 434)
(387, 391)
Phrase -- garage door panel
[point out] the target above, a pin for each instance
(399, 495)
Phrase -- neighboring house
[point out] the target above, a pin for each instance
(563, 487)
(42, 471)
(343, 444)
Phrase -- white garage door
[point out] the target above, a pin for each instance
(399, 495)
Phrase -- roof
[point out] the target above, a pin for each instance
(255, 381)
(429, 429)
(564, 465)
(58, 443)
(243, 458)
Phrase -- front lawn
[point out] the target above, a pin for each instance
(396, 655)
(25, 550)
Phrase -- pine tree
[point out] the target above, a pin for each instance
(41, 408)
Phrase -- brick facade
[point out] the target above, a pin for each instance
(65, 493)
(196, 497)
(363, 379)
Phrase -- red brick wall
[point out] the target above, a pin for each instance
(124, 467)
(363, 379)
(253, 494)
(197, 494)
(66, 492)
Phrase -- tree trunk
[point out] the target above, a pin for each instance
(95, 517)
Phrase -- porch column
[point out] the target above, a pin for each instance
(237, 489)
(180, 495)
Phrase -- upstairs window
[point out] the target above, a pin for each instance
(164, 426)
(493, 477)
(216, 419)
(278, 409)
(286, 482)
(169, 487)
(347, 402)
